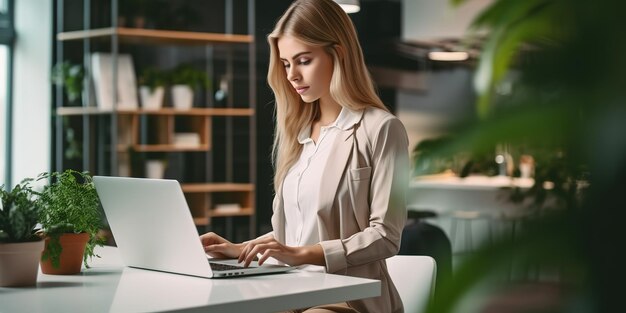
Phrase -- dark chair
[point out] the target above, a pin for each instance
(422, 238)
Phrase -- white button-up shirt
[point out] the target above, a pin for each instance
(301, 184)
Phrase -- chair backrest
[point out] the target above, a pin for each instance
(414, 277)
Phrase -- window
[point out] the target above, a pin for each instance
(3, 115)
(6, 41)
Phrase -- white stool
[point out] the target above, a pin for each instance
(513, 220)
(465, 218)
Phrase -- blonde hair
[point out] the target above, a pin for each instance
(318, 23)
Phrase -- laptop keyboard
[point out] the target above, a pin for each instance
(224, 267)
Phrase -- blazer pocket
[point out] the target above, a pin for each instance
(363, 173)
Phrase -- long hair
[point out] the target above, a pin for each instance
(318, 23)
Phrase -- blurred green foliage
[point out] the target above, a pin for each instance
(565, 62)
(70, 76)
(153, 78)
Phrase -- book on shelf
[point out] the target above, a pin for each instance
(102, 76)
(227, 208)
(186, 139)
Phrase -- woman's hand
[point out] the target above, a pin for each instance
(268, 247)
(218, 247)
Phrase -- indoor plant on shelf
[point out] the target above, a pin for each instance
(71, 77)
(152, 88)
(20, 247)
(71, 218)
(185, 79)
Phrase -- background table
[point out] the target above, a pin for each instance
(488, 198)
(444, 194)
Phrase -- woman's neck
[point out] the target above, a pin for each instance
(329, 111)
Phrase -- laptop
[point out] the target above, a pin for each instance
(153, 229)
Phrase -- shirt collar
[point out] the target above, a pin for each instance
(346, 119)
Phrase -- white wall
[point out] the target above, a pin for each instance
(432, 19)
(31, 88)
(449, 98)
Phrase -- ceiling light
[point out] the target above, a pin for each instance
(350, 6)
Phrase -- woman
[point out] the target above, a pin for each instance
(341, 159)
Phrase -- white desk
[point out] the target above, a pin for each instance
(108, 286)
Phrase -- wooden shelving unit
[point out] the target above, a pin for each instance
(67, 111)
(201, 196)
(153, 131)
(216, 187)
(153, 36)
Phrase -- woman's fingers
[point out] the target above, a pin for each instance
(267, 247)
(212, 238)
(222, 250)
(259, 248)
(216, 250)
(272, 249)
(251, 244)
(244, 252)
(268, 253)
(220, 247)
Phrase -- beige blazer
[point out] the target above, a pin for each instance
(362, 204)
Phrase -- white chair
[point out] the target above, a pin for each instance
(414, 277)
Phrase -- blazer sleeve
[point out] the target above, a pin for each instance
(389, 182)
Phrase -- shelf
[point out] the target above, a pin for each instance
(199, 111)
(141, 36)
(165, 148)
(201, 221)
(204, 220)
(65, 111)
(216, 187)
(242, 212)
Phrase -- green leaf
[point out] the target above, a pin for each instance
(18, 214)
(534, 23)
(457, 2)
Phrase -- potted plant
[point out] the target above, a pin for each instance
(155, 165)
(71, 218)
(185, 80)
(20, 247)
(151, 88)
(70, 76)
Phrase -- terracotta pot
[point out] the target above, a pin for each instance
(71, 259)
(19, 263)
